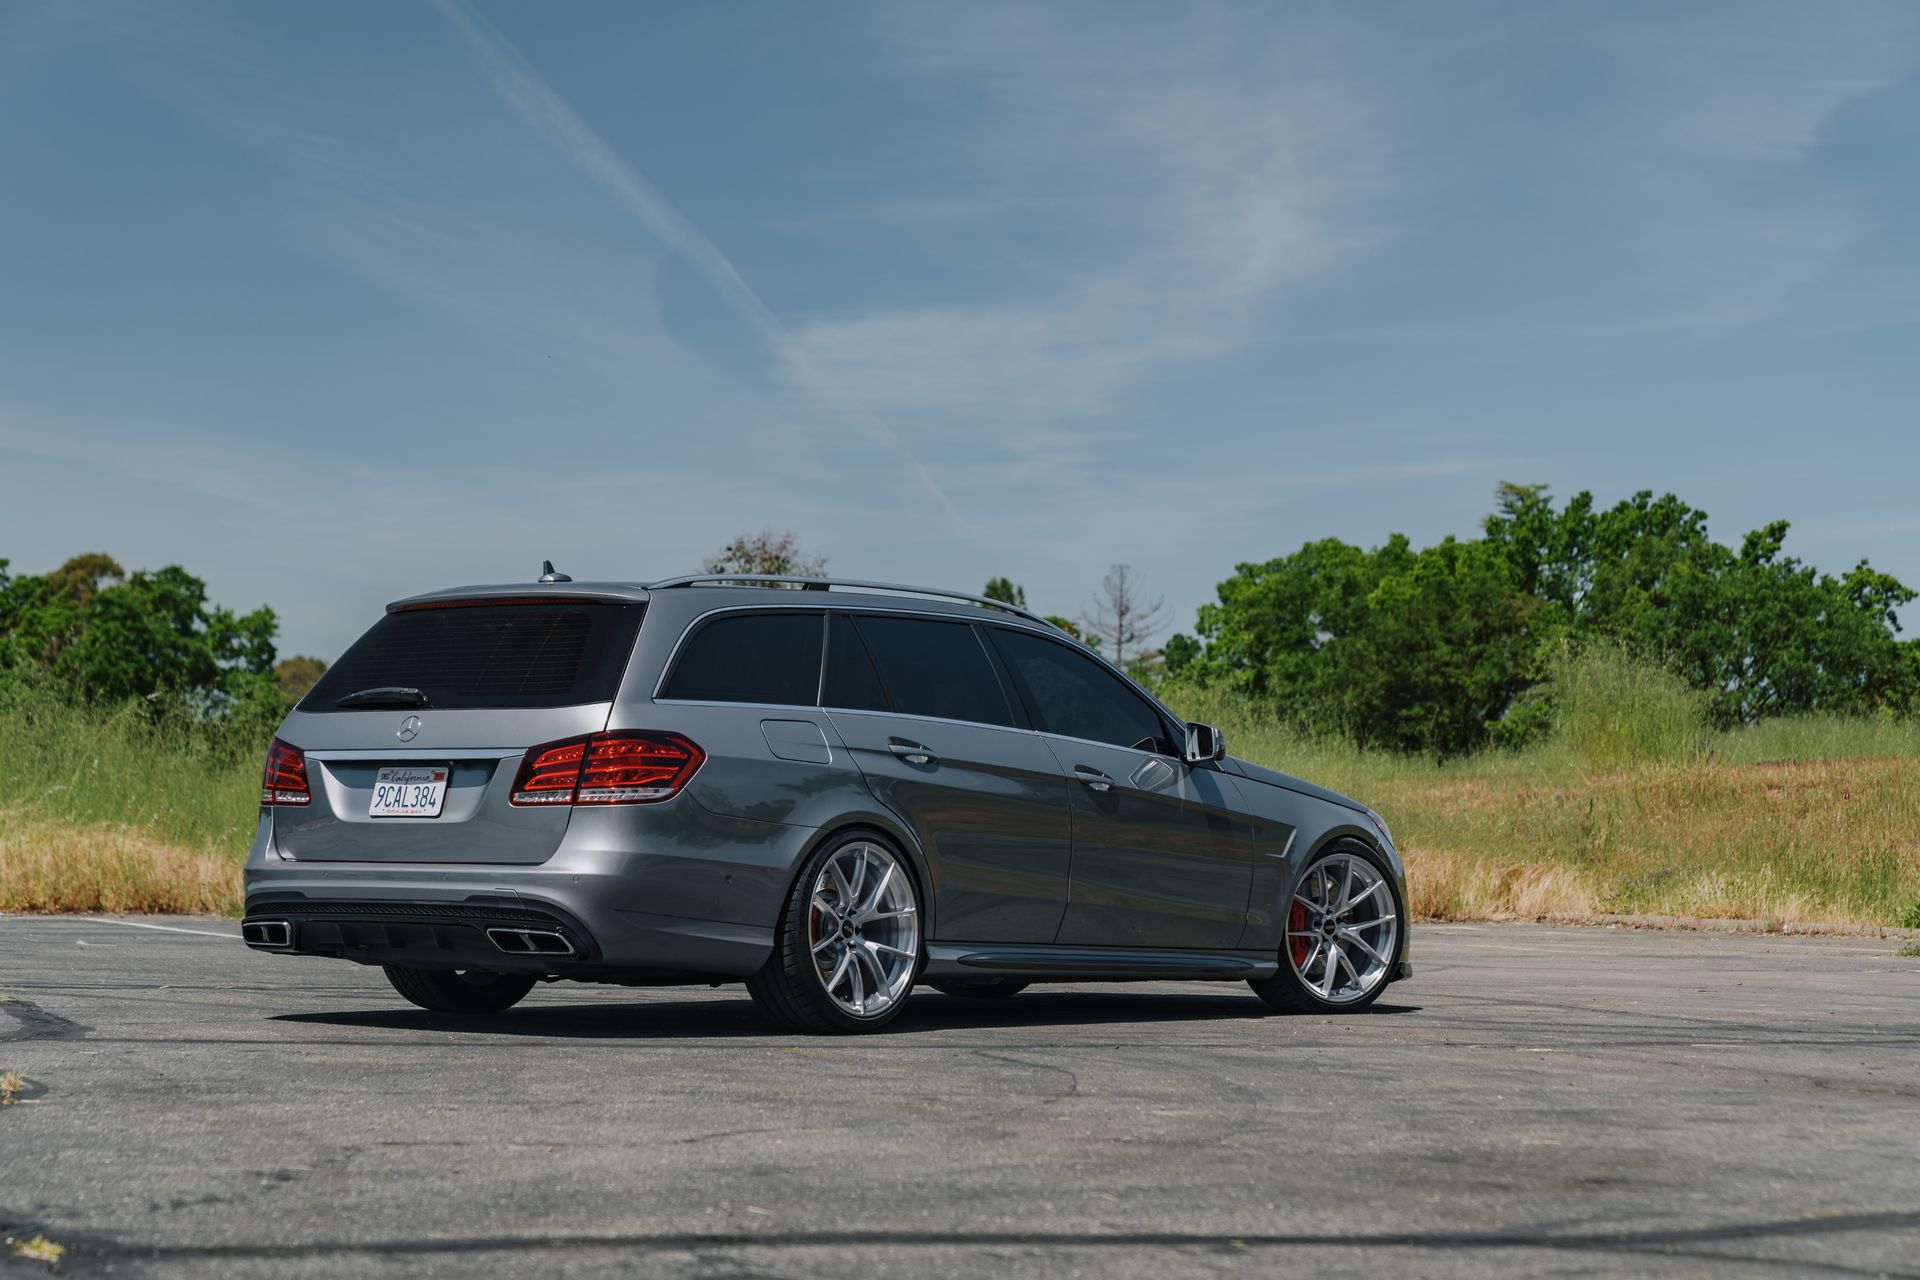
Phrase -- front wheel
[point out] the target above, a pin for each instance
(1344, 926)
(847, 949)
(459, 990)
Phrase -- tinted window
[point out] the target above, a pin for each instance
(1072, 695)
(751, 657)
(851, 679)
(935, 669)
(489, 656)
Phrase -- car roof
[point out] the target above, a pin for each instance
(773, 591)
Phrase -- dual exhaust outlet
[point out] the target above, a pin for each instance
(515, 942)
(531, 942)
(266, 933)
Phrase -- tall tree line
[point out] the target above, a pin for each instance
(1434, 649)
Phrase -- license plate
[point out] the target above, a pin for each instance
(411, 791)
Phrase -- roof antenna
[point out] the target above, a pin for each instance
(550, 574)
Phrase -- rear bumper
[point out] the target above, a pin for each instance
(623, 915)
(518, 933)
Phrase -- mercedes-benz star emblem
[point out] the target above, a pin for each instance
(408, 729)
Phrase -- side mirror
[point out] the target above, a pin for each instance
(1204, 743)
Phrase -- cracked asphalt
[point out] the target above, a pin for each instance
(1536, 1101)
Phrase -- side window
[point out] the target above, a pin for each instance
(751, 657)
(1074, 696)
(935, 669)
(851, 679)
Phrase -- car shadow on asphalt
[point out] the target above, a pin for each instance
(720, 1018)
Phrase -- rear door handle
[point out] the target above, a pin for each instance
(1095, 780)
(912, 752)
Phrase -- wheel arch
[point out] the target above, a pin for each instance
(895, 834)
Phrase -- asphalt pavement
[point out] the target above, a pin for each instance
(1535, 1101)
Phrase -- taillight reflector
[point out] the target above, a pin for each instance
(622, 767)
(284, 780)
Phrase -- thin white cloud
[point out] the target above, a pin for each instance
(553, 119)
(1172, 175)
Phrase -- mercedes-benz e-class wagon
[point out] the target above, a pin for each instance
(831, 791)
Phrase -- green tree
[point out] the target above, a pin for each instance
(1758, 630)
(1413, 650)
(1006, 591)
(294, 676)
(105, 636)
(770, 552)
(1434, 649)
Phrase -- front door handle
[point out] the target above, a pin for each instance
(1095, 780)
(912, 752)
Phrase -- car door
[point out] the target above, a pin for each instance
(920, 704)
(1162, 850)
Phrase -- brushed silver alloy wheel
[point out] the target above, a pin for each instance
(1342, 929)
(862, 929)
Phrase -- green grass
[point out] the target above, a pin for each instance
(115, 810)
(175, 780)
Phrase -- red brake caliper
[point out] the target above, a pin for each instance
(1300, 948)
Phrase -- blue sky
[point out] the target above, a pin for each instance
(333, 303)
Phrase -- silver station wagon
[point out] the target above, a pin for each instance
(832, 791)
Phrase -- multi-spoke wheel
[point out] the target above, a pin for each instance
(1343, 934)
(848, 946)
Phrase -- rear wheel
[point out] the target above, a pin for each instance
(847, 949)
(1343, 935)
(459, 990)
(979, 988)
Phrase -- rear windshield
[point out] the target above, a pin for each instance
(485, 657)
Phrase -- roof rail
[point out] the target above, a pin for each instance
(855, 584)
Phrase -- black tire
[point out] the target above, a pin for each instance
(461, 991)
(788, 988)
(979, 988)
(1286, 990)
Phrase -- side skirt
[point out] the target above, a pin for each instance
(1092, 964)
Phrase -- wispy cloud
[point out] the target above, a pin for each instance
(551, 118)
(1175, 173)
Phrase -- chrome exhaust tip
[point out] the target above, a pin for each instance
(266, 933)
(530, 942)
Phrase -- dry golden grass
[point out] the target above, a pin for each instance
(1829, 841)
(54, 866)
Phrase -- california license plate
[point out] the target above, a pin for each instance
(409, 791)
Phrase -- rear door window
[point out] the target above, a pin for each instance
(485, 657)
(767, 658)
(1072, 695)
(935, 669)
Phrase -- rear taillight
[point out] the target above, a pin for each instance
(606, 768)
(285, 778)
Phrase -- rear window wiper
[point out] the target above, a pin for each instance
(386, 696)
